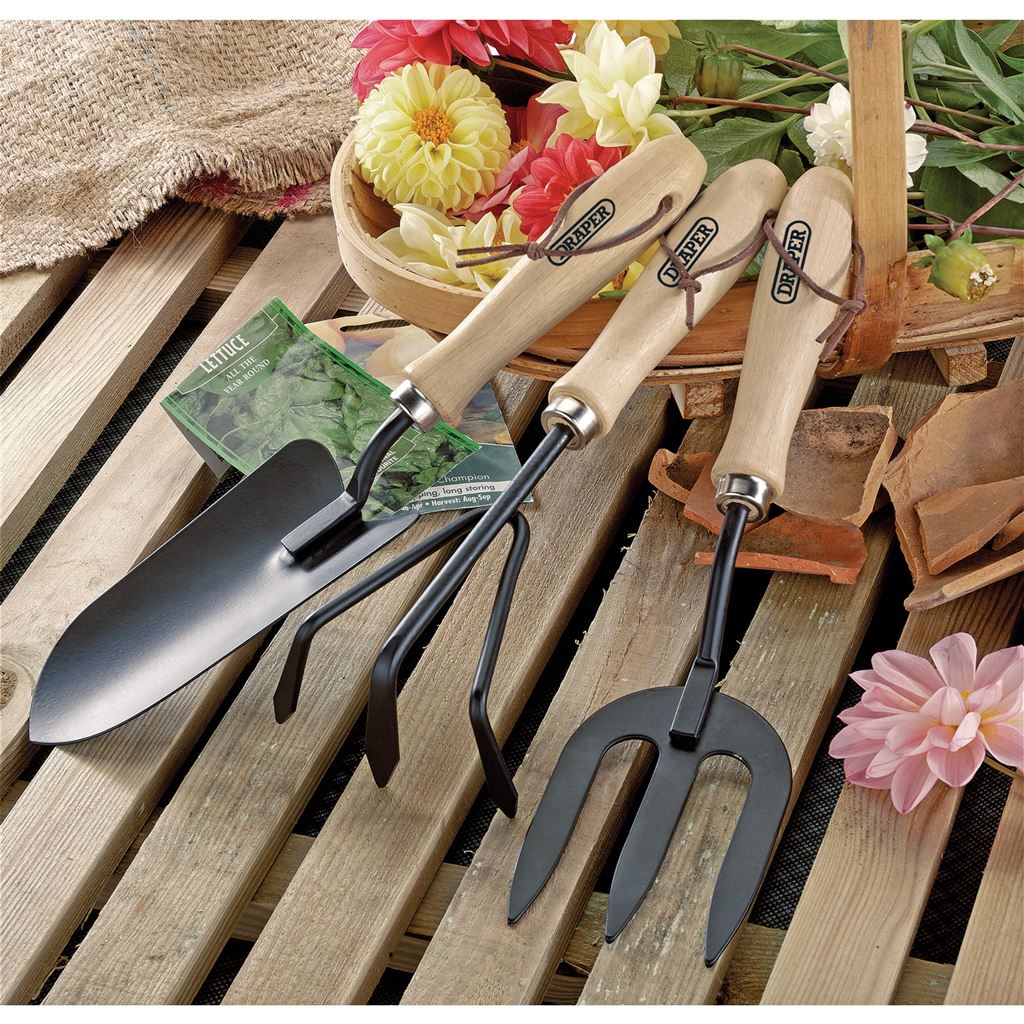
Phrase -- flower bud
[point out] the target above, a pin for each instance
(719, 74)
(959, 268)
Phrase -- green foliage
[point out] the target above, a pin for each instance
(980, 86)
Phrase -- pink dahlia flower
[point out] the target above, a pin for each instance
(921, 722)
(555, 173)
(393, 44)
(531, 127)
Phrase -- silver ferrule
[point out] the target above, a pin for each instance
(415, 405)
(574, 414)
(743, 489)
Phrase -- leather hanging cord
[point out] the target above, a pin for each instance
(541, 248)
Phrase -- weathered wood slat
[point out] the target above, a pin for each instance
(380, 848)
(475, 955)
(169, 917)
(27, 298)
(962, 364)
(74, 382)
(864, 897)
(73, 823)
(990, 966)
(151, 485)
(791, 667)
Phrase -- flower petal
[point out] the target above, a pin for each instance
(850, 742)
(1006, 666)
(1005, 743)
(956, 658)
(945, 706)
(957, 767)
(909, 673)
(965, 731)
(909, 735)
(911, 783)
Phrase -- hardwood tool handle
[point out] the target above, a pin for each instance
(652, 317)
(815, 224)
(536, 294)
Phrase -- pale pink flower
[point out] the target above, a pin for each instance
(921, 722)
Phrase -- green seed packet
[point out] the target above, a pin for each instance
(275, 381)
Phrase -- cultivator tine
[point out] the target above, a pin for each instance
(651, 832)
(758, 745)
(286, 697)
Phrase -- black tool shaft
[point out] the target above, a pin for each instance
(382, 717)
(700, 683)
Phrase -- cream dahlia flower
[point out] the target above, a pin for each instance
(615, 92)
(427, 242)
(431, 134)
(830, 133)
(660, 33)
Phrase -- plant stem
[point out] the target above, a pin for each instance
(985, 207)
(941, 129)
(527, 70)
(771, 90)
(908, 63)
(825, 73)
(948, 224)
(731, 103)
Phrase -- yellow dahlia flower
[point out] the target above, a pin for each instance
(615, 92)
(660, 33)
(433, 135)
(427, 242)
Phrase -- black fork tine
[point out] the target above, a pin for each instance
(651, 832)
(758, 745)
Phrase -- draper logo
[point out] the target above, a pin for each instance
(689, 250)
(585, 228)
(796, 242)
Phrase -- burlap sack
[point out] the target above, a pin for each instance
(103, 121)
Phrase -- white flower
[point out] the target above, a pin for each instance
(829, 129)
(615, 92)
(427, 242)
(781, 25)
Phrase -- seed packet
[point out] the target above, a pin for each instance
(275, 381)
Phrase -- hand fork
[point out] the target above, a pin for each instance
(687, 726)
(583, 405)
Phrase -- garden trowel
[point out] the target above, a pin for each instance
(288, 529)
(695, 722)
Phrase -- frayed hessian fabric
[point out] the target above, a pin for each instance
(104, 121)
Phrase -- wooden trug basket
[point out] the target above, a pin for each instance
(904, 313)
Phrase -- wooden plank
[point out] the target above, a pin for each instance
(791, 667)
(221, 285)
(27, 298)
(990, 966)
(169, 917)
(475, 955)
(151, 485)
(961, 364)
(698, 401)
(73, 823)
(379, 849)
(863, 900)
(74, 382)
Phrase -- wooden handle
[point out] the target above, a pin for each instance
(652, 318)
(815, 224)
(537, 294)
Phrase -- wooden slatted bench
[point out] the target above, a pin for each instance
(180, 827)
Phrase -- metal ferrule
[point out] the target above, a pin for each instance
(574, 414)
(415, 405)
(743, 489)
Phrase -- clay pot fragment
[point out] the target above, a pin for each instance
(674, 474)
(966, 441)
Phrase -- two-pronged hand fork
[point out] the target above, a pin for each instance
(686, 726)
(715, 236)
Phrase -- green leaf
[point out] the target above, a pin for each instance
(995, 102)
(1017, 63)
(952, 152)
(997, 34)
(948, 191)
(798, 136)
(981, 61)
(678, 66)
(736, 139)
(927, 49)
(1008, 135)
(791, 164)
(758, 36)
(945, 36)
(991, 180)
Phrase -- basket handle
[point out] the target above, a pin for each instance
(535, 295)
(652, 317)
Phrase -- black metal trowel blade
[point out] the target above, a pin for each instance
(214, 585)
